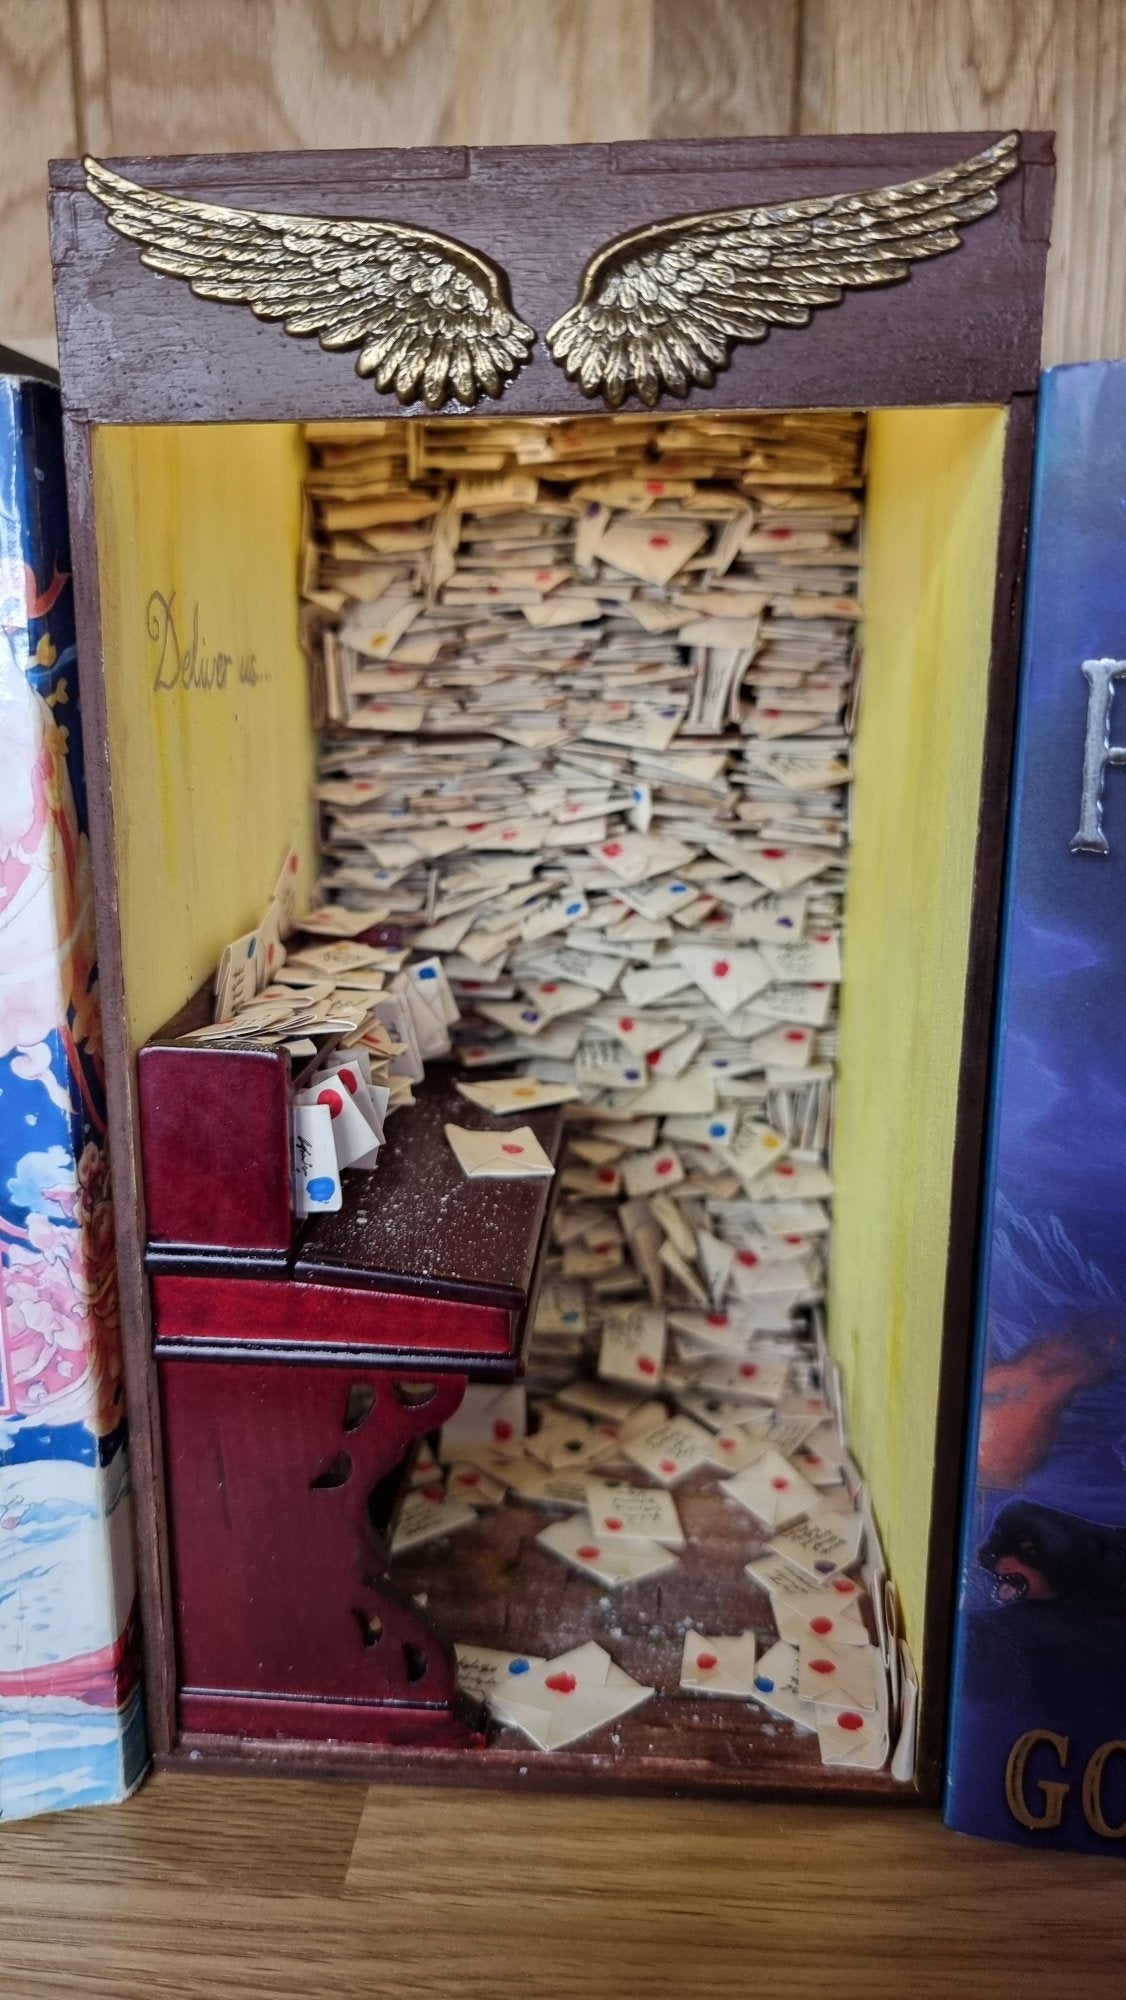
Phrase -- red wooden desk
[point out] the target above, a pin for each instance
(294, 1385)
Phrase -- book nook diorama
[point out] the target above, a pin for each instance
(547, 811)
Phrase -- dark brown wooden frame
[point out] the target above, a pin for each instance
(137, 347)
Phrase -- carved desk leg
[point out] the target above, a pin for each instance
(282, 1483)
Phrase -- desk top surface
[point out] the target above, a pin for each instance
(417, 1224)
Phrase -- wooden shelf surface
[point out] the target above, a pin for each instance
(260, 1890)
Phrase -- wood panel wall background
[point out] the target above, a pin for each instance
(167, 76)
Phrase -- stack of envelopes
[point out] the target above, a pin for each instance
(585, 691)
(622, 1477)
(359, 1024)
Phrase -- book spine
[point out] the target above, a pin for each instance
(1038, 1717)
(71, 1716)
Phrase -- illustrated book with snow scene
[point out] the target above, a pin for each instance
(71, 1716)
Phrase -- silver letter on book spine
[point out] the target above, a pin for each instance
(1098, 752)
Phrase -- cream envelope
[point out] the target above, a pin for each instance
(426, 1470)
(817, 957)
(670, 1451)
(693, 1092)
(734, 634)
(715, 1331)
(820, 1470)
(772, 1491)
(240, 976)
(427, 1514)
(643, 1419)
(520, 1017)
(645, 1173)
(633, 1513)
(795, 1180)
(673, 1221)
(819, 1622)
(558, 996)
(375, 629)
(664, 899)
(633, 1345)
(783, 1048)
(560, 1308)
(284, 896)
(650, 548)
(822, 1546)
(586, 968)
(559, 1040)
(609, 1560)
(601, 1183)
(566, 1439)
(595, 1399)
(641, 1033)
(824, 1443)
(581, 1260)
(352, 1135)
(717, 1130)
(477, 1488)
(839, 1675)
(776, 1686)
(560, 610)
(560, 1700)
(638, 730)
(733, 1449)
(774, 920)
(518, 1093)
(271, 948)
(683, 1273)
(647, 986)
(673, 1057)
(723, 1666)
(604, 1063)
(654, 616)
(555, 915)
(333, 959)
(716, 1259)
(755, 1148)
(596, 1153)
(509, 1155)
(393, 1015)
(773, 1574)
(333, 920)
(754, 1378)
(316, 1174)
(542, 1487)
(851, 1737)
(790, 1219)
(782, 867)
(434, 987)
(483, 1671)
(634, 857)
(497, 1418)
(726, 977)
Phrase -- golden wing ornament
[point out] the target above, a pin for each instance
(430, 316)
(661, 308)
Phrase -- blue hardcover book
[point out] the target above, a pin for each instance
(71, 1717)
(1038, 1725)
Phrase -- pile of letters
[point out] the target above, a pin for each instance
(585, 692)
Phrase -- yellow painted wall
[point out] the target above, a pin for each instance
(932, 519)
(203, 519)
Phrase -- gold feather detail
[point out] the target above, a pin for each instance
(660, 308)
(430, 316)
